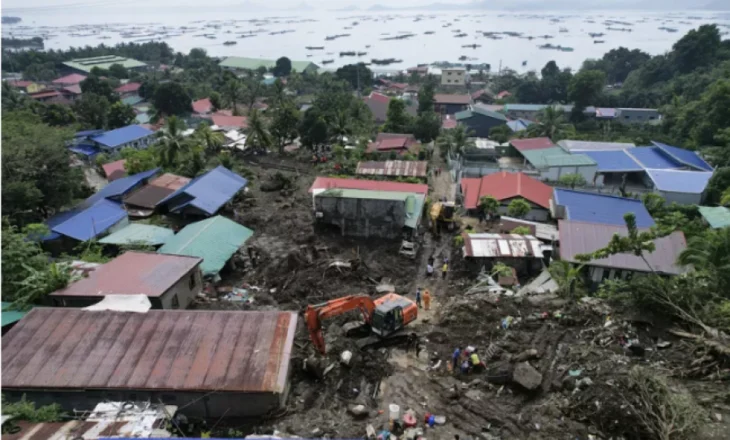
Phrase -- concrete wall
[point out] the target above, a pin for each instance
(681, 198)
(192, 404)
(361, 217)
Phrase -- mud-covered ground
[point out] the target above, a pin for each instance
(583, 391)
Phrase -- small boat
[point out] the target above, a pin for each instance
(314, 47)
(563, 30)
(229, 43)
(328, 61)
(598, 41)
(429, 33)
(524, 63)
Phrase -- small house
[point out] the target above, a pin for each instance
(202, 107)
(378, 104)
(210, 363)
(454, 76)
(393, 168)
(143, 201)
(26, 86)
(322, 184)
(506, 187)
(215, 240)
(115, 170)
(129, 89)
(638, 116)
(227, 123)
(597, 208)
(368, 213)
(169, 281)
(69, 80)
(139, 234)
(524, 253)
(205, 195)
(478, 120)
(450, 104)
(131, 136)
(394, 143)
(578, 237)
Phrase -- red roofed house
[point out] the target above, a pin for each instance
(71, 92)
(503, 94)
(506, 187)
(450, 104)
(531, 144)
(129, 89)
(115, 170)
(202, 107)
(378, 105)
(47, 95)
(387, 143)
(225, 122)
(26, 86)
(69, 80)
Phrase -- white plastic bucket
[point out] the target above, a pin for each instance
(394, 412)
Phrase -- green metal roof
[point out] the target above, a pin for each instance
(525, 107)
(556, 157)
(103, 62)
(716, 216)
(132, 100)
(139, 233)
(466, 114)
(10, 316)
(255, 63)
(413, 201)
(215, 240)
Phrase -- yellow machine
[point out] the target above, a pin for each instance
(442, 215)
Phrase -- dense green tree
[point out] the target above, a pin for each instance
(92, 110)
(58, 115)
(710, 252)
(282, 67)
(232, 94)
(572, 180)
(313, 129)
(551, 124)
(118, 71)
(397, 120)
(212, 141)
(489, 206)
(216, 101)
(171, 98)
(585, 88)
(426, 97)
(698, 48)
(618, 63)
(120, 115)
(12, 99)
(500, 133)
(427, 126)
(284, 125)
(148, 87)
(172, 142)
(19, 257)
(529, 89)
(258, 134)
(719, 181)
(37, 177)
(518, 208)
(138, 160)
(359, 76)
(455, 140)
(554, 83)
(100, 87)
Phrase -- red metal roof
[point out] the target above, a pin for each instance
(408, 168)
(70, 80)
(441, 98)
(20, 83)
(532, 144)
(115, 170)
(186, 350)
(45, 94)
(230, 121)
(583, 238)
(379, 97)
(74, 89)
(202, 106)
(149, 195)
(505, 186)
(503, 94)
(128, 88)
(133, 273)
(325, 183)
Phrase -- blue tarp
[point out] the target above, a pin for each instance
(120, 187)
(652, 157)
(690, 182)
(602, 209)
(92, 221)
(614, 161)
(207, 192)
(686, 157)
(121, 136)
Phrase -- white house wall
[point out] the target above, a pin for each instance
(681, 198)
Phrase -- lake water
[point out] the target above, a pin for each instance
(92, 27)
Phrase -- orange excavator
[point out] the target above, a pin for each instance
(385, 316)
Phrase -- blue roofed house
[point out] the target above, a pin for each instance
(134, 136)
(206, 194)
(597, 208)
(678, 186)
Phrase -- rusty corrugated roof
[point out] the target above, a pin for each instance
(502, 246)
(151, 194)
(133, 273)
(186, 350)
(407, 168)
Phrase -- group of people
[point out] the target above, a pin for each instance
(424, 296)
(467, 360)
(430, 265)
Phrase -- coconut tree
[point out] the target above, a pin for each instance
(709, 251)
(172, 141)
(456, 140)
(551, 124)
(233, 93)
(212, 141)
(258, 135)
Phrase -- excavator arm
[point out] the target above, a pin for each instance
(314, 315)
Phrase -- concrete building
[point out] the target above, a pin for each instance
(450, 104)
(367, 213)
(170, 281)
(478, 120)
(638, 115)
(453, 76)
(552, 162)
(84, 66)
(211, 364)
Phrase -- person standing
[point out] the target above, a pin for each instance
(429, 270)
(455, 358)
(445, 270)
(418, 297)
(427, 299)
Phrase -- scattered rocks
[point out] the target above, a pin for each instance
(526, 355)
(527, 376)
(358, 410)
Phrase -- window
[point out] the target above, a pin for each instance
(175, 302)
(192, 281)
(449, 73)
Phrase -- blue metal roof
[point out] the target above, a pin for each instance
(652, 157)
(85, 133)
(121, 136)
(92, 221)
(84, 149)
(686, 157)
(57, 220)
(120, 187)
(690, 182)
(207, 192)
(613, 161)
(600, 208)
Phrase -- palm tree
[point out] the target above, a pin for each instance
(258, 134)
(567, 276)
(709, 251)
(456, 140)
(340, 125)
(172, 140)
(233, 94)
(551, 124)
(212, 141)
(725, 198)
(278, 93)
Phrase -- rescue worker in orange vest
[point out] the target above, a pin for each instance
(426, 299)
